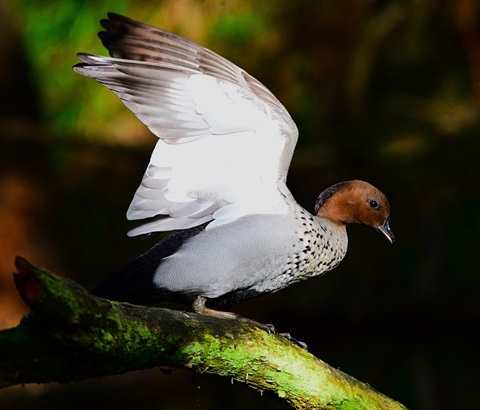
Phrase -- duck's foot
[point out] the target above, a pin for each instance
(199, 307)
(299, 343)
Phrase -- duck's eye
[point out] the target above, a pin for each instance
(374, 204)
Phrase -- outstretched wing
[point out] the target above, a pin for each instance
(225, 141)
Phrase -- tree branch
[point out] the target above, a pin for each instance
(72, 335)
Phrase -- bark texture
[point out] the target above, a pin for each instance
(71, 335)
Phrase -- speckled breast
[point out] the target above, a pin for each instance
(321, 246)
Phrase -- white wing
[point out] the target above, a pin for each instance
(225, 141)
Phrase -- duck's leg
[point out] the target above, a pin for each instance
(199, 307)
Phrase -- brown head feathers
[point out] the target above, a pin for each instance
(355, 202)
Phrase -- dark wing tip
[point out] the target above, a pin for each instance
(119, 17)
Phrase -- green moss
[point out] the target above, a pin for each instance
(133, 337)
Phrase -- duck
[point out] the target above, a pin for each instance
(217, 179)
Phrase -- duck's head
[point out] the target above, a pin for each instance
(356, 202)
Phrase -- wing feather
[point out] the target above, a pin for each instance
(225, 142)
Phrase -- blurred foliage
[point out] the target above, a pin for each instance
(378, 45)
(383, 90)
(51, 47)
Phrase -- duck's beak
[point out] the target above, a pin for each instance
(387, 231)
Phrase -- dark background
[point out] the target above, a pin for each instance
(386, 91)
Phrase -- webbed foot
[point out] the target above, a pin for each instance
(199, 307)
(299, 343)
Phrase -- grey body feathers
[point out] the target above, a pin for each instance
(251, 256)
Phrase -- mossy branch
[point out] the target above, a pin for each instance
(71, 336)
